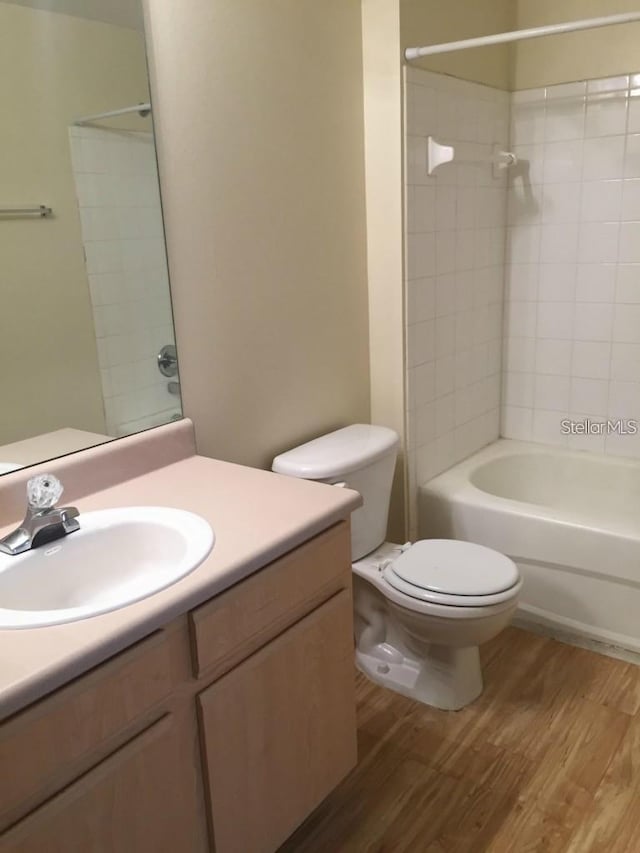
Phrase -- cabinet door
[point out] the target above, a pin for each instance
(145, 797)
(280, 731)
(237, 623)
(55, 741)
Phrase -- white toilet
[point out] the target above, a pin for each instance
(422, 609)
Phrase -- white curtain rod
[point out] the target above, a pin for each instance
(143, 109)
(532, 33)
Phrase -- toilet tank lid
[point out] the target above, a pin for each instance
(337, 453)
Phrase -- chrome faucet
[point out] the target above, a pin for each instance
(44, 521)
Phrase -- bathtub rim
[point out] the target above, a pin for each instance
(450, 505)
(455, 486)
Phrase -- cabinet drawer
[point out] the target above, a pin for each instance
(238, 622)
(55, 740)
(280, 731)
(145, 797)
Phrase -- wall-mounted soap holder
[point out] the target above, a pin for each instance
(439, 154)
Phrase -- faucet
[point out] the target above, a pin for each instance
(44, 521)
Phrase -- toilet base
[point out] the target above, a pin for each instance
(446, 678)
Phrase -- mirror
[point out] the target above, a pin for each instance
(87, 344)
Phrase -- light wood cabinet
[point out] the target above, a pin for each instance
(241, 620)
(56, 740)
(228, 726)
(279, 731)
(143, 798)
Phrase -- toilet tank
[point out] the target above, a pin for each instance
(361, 456)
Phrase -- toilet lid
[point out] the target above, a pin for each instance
(450, 567)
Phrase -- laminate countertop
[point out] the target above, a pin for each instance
(257, 516)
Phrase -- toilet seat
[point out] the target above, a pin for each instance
(453, 573)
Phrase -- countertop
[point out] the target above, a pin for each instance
(49, 445)
(257, 516)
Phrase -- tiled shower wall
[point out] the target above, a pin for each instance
(455, 223)
(573, 284)
(118, 197)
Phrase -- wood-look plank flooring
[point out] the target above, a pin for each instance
(546, 760)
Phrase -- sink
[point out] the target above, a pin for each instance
(117, 557)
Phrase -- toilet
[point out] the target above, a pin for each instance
(421, 609)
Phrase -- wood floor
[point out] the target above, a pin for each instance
(548, 759)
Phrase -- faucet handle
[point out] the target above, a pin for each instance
(43, 492)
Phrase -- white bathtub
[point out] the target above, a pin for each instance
(570, 520)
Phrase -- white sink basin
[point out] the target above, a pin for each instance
(117, 557)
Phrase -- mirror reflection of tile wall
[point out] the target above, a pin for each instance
(84, 292)
(117, 188)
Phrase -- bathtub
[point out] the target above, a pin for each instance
(569, 519)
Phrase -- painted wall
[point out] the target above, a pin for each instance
(52, 68)
(575, 56)
(266, 237)
(528, 64)
(425, 22)
(385, 247)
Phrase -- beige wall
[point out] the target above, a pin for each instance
(560, 59)
(259, 108)
(384, 183)
(52, 68)
(527, 64)
(425, 22)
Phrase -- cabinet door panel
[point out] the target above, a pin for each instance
(60, 737)
(145, 797)
(280, 732)
(241, 620)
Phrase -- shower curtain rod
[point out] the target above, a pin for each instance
(532, 33)
(143, 109)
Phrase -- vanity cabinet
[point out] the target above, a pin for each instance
(110, 762)
(222, 731)
(58, 739)
(241, 620)
(279, 731)
(144, 797)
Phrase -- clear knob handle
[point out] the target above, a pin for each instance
(44, 491)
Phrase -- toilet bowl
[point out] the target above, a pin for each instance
(421, 610)
(423, 642)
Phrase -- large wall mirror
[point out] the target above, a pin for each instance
(87, 349)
